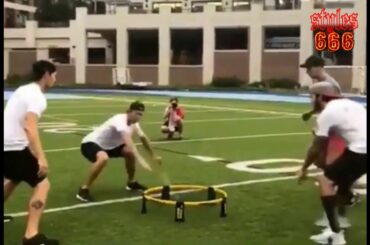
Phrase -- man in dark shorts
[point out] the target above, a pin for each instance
(24, 157)
(348, 119)
(113, 139)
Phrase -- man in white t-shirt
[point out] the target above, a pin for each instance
(113, 139)
(348, 119)
(315, 69)
(24, 157)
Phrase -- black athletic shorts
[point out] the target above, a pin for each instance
(21, 166)
(348, 168)
(90, 149)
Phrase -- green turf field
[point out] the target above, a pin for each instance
(275, 212)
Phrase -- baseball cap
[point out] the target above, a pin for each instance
(137, 106)
(313, 61)
(324, 88)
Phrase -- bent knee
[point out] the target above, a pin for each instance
(44, 184)
(128, 152)
(102, 157)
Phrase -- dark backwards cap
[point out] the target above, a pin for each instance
(137, 106)
(313, 61)
(174, 99)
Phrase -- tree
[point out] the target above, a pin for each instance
(56, 12)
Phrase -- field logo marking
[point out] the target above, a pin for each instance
(247, 166)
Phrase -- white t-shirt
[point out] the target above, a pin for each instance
(109, 134)
(348, 119)
(332, 81)
(27, 98)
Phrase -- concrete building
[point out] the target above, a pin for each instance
(263, 55)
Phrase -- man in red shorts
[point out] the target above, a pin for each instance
(336, 147)
(174, 119)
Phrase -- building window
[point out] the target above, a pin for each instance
(59, 55)
(186, 46)
(241, 5)
(282, 4)
(231, 38)
(96, 56)
(318, 4)
(282, 37)
(143, 47)
(340, 57)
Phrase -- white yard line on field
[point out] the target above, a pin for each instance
(255, 136)
(210, 120)
(202, 106)
(59, 118)
(130, 199)
(108, 113)
(229, 119)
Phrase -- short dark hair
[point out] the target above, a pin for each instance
(174, 99)
(39, 68)
(137, 106)
(313, 61)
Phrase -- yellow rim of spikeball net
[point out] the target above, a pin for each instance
(184, 189)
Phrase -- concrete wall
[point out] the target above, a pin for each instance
(232, 63)
(99, 74)
(66, 74)
(20, 62)
(343, 76)
(280, 65)
(144, 73)
(186, 75)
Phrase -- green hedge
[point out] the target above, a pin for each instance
(227, 82)
(234, 82)
(17, 80)
(276, 84)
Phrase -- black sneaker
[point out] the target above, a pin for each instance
(7, 218)
(40, 239)
(135, 186)
(84, 195)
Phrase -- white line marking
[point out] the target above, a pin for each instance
(108, 113)
(59, 118)
(203, 139)
(229, 119)
(209, 120)
(91, 126)
(202, 106)
(130, 199)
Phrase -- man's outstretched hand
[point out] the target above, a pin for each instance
(306, 116)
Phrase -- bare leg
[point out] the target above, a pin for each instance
(180, 128)
(130, 165)
(329, 201)
(164, 129)
(96, 168)
(36, 207)
(9, 187)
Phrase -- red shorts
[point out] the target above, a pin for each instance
(336, 147)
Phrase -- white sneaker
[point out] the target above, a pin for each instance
(338, 238)
(324, 222)
(328, 235)
(323, 237)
